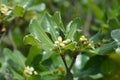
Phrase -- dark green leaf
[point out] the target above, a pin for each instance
(46, 55)
(107, 48)
(114, 23)
(34, 51)
(15, 56)
(97, 37)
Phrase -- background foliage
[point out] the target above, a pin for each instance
(99, 21)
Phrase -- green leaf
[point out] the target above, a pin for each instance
(15, 60)
(19, 57)
(107, 48)
(46, 55)
(16, 75)
(52, 25)
(18, 40)
(58, 20)
(72, 28)
(113, 23)
(34, 51)
(18, 11)
(92, 67)
(48, 25)
(115, 34)
(29, 39)
(97, 37)
(70, 46)
(37, 31)
(97, 11)
(39, 7)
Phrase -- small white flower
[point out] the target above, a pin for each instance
(60, 42)
(56, 42)
(29, 71)
(5, 9)
(66, 41)
(83, 38)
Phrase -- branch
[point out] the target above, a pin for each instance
(64, 61)
(74, 59)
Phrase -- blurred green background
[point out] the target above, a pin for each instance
(99, 18)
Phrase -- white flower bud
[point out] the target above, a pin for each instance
(60, 39)
(62, 44)
(29, 71)
(56, 42)
(66, 41)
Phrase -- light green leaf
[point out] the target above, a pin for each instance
(48, 25)
(46, 55)
(58, 20)
(16, 57)
(72, 28)
(16, 75)
(19, 57)
(115, 34)
(39, 7)
(29, 39)
(37, 31)
(52, 25)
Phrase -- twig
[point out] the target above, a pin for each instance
(74, 59)
(64, 61)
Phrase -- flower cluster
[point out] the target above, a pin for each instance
(5, 10)
(60, 42)
(85, 43)
(28, 71)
